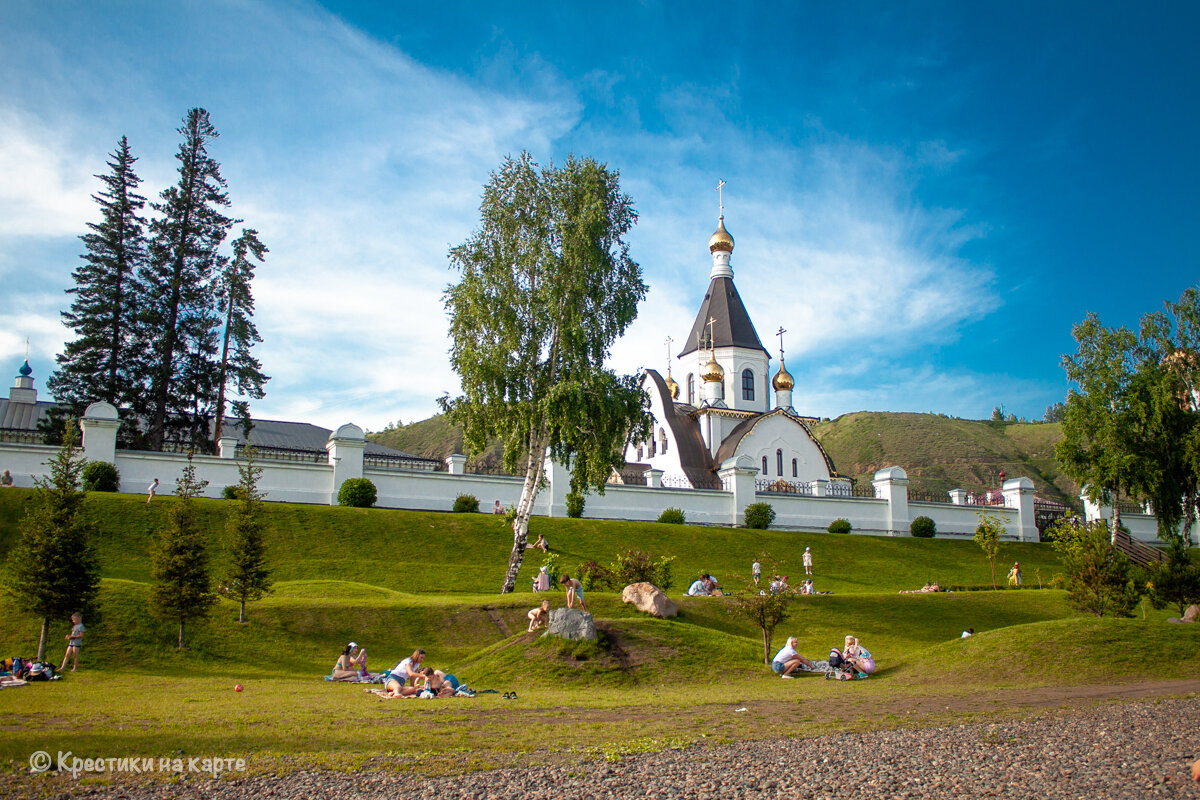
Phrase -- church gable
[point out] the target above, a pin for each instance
(781, 446)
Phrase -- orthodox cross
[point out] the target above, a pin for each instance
(721, 195)
(780, 334)
(668, 343)
(26, 348)
(711, 321)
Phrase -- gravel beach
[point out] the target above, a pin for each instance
(1119, 750)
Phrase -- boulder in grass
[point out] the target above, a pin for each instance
(649, 598)
(571, 623)
(1188, 616)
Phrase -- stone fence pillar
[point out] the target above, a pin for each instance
(958, 497)
(891, 484)
(1018, 493)
(99, 425)
(737, 475)
(558, 484)
(345, 448)
(654, 478)
(456, 464)
(227, 446)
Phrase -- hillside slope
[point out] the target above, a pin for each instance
(939, 453)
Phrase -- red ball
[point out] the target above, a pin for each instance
(237, 688)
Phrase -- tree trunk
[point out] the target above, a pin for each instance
(180, 647)
(535, 465)
(41, 656)
(994, 586)
(766, 647)
(242, 612)
(1116, 515)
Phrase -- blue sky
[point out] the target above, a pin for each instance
(926, 198)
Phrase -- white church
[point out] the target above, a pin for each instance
(726, 408)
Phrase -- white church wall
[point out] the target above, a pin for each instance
(802, 512)
(779, 433)
(24, 462)
(436, 491)
(281, 481)
(952, 520)
(644, 503)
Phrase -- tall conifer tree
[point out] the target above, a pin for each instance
(180, 317)
(179, 565)
(238, 368)
(102, 362)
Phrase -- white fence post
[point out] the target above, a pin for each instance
(100, 424)
(738, 476)
(654, 478)
(1018, 493)
(892, 485)
(345, 448)
(227, 446)
(958, 497)
(456, 464)
(559, 479)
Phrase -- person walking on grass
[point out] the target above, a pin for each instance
(574, 592)
(808, 561)
(151, 490)
(74, 642)
(787, 660)
(756, 571)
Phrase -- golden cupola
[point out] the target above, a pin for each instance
(720, 240)
(712, 372)
(783, 380)
(672, 386)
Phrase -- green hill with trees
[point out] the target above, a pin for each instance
(938, 452)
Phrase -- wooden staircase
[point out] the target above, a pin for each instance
(1139, 553)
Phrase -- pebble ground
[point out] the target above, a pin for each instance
(1120, 750)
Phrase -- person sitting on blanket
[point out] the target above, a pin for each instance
(858, 657)
(699, 587)
(714, 588)
(405, 673)
(435, 681)
(351, 664)
(540, 616)
(542, 582)
(787, 660)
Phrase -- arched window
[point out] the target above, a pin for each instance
(662, 438)
(747, 385)
(639, 452)
(779, 463)
(651, 450)
(794, 473)
(764, 465)
(691, 382)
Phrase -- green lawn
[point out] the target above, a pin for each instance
(396, 580)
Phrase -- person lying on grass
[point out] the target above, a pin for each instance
(435, 681)
(539, 617)
(926, 589)
(787, 660)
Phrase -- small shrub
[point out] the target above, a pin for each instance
(101, 476)
(575, 505)
(357, 493)
(466, 504)
(673, 516)
(759, 515)
(593, 574)
(840, 526)
(232, 492)
(923, 528)
(637, 566)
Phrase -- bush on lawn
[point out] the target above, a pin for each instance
(923, 528)
(840, 526)
(357, 493)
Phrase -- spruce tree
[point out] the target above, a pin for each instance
(179, 565)
(180, 318)
(237, 366)
(54, 570)
(102, 362)
(249, 578)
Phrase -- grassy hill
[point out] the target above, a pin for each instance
(939, 453)
(396, 580)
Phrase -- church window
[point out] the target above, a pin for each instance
(662, 438)
(639, 452)
(691, 382)
(764, 465)
(652, 451)
(795, 474)
(747, 385)
(779, 463)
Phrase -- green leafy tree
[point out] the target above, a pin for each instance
(102, 362)
(249, 577)
(1099, 576)
(182, 587)
(180, 320)
(764, 610)
(987, 536)
(238, 368)
(546, 286)
(54, 571)
(1176, 581)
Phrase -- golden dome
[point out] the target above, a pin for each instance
(783, 380)
(720, 240)
(712, 372)
(672, 386)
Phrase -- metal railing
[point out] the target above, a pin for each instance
(408, 463)
(781, 486)
(919, 496)
(22, 436)
(287, 454)
(846, 491)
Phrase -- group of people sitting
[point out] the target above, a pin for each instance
(850, 662)
(705, 586)
(409, 678)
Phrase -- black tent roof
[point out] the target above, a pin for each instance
(732, 328)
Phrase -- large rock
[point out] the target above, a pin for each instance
(649, 598)
(1188, 616)
(571, 623)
